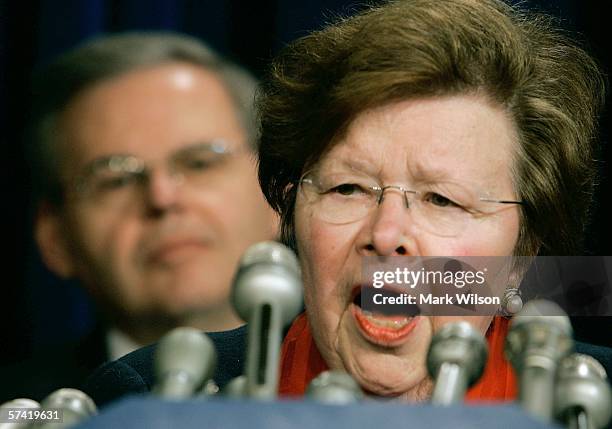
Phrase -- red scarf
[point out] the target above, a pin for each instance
(301, 362)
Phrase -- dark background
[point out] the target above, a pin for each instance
(37, 309)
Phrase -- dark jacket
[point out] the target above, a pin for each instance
(133, 373)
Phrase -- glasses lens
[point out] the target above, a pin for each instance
(202, 164)
(443, 209)
(111, 178)
(340, 197)
(444, 221)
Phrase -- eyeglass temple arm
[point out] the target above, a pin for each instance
(487, 200)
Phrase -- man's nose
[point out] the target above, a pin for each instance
(163, 189)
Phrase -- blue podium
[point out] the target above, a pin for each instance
(148, 412)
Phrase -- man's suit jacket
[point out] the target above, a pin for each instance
(133, 373)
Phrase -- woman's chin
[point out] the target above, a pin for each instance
(385, 378)
(383, 370)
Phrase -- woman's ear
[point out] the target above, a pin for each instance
(51, 240)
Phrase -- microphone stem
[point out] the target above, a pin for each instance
(536, 392)
(578, 419)
(176, 384)
(263, 352)
(451, 384)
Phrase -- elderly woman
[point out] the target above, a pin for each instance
(418, 128)
(429, 128)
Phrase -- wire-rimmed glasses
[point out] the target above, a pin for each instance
(118, 179)
(442, 208)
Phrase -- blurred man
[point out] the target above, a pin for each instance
(145, 168)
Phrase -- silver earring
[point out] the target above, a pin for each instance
(512, 301)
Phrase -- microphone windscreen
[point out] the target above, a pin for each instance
(184, 358)
(582, 384)
(268, 273)
(334, 387)
(75, 407)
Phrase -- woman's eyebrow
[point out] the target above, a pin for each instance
(353, 164)
(428, 172)
(420, 172)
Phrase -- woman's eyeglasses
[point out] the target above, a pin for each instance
(443, 208)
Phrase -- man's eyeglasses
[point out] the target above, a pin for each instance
(118, 179)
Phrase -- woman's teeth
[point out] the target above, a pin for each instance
(396, 322)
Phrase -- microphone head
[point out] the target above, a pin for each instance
(334, 387)
(268, 273)
(461, 344)
(76, 406)
(21, 403)
(541, 310)
(184, 359)
(582, 383)
(236, 388)
(540, 328)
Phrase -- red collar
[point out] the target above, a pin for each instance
(301, 362)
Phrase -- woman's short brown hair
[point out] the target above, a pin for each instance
(551, 88)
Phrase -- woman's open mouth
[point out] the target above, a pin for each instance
(387, 325)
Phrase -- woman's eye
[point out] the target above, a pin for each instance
(347, 189)
(440, 200)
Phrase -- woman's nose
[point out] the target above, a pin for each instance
(391, 225)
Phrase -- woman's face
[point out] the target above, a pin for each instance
(431, 142)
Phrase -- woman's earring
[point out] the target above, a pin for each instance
(512, 301)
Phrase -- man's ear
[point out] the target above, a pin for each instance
(52, 241)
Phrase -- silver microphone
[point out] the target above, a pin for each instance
(11, 418)
(184, 359)
(267, 293)
(456, 358)
(236, 388)
(75, 406)
(583, 399)
(334, 387)
(540, 337)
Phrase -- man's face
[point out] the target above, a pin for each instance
(166, 245)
